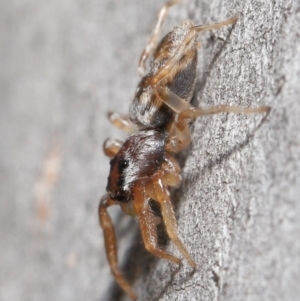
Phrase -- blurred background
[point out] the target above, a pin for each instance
(64, 65)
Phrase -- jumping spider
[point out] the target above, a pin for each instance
(143, 168)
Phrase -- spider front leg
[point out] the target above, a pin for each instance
(152, 43)
(147, 223)
(162, 197)
(111, 244)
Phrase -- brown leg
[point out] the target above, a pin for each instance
(111, 147)
(178, 139)
(147, 224)
(162, 196)
(122, 122)
(197, 112)
(179, 133)
(172, 100)
(111, 245)
(219, 25)
(152, 43)
(171, 175)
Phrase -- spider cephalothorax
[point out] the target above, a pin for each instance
(141, 155)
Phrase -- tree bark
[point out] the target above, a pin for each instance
(63, 66)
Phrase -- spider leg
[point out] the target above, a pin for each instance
(180, 135)
(172, 100)
(218, 25)
(111, 147)
(171, 175)
(122, 122)
(193, 113)
(188, 40)
(111, 244)
(177, 139)
(152, 43)
(162, 196)
(147, 223)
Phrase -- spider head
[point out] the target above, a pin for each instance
(139, 157)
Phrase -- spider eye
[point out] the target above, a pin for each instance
(123, 163)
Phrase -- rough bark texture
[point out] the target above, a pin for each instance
(64, 64)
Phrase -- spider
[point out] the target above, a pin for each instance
(143, 168)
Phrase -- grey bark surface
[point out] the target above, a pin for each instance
(63, 66)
